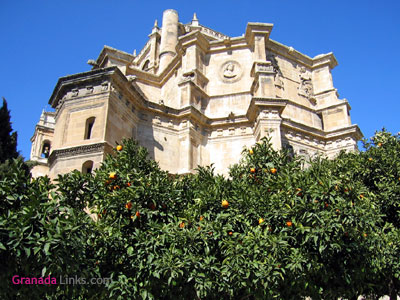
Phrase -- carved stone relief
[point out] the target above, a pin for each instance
(230, 71)
(306, 88)
(278, 79)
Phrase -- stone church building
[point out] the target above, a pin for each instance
(194, 96)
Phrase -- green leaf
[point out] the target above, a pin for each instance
(46, 248)
(44, 271)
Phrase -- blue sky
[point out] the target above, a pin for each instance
(41, 41)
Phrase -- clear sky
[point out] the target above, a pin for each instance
(41, 41)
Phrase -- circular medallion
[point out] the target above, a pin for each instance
(230, 71)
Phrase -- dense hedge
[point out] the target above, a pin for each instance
(273, 230)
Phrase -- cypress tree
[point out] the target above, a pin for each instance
(8, 139)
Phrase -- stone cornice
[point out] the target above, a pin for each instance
(76, 151)
(194, 38)
(116, 54)
(292, 54)
(352, 130)
(78, 79)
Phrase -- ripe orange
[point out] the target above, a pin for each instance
(361, 196)
(260, 220)
(230, 232)
(128, 205)
(128, 184)
(225, 204)
(116, 187)
(119, 148)
(252, 170)
(273, 170)
(137, 214)
(364, 234)
(251, 152)
(289, 223)
(201, 218)
(112, 175)
(379, 144)
(181, 225)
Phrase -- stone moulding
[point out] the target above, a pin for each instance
(76, 151)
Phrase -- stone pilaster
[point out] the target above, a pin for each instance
(264, 76)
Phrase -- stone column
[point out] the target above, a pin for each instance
(169, 38)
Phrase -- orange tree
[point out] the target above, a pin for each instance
(41, 235)
(378, 169)
(273, 229)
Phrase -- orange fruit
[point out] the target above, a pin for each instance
(364, 234)
(289, 223)
(379, 144)
(112, 175)
(230, 232)
(260, 220)
(181, 225)
(225, 204)
(116, 187)
(201, 218)
(370, 159)
(252, 170)
(199, 228)
(273, 170)
(128, 184)
(128, 205)
(326, 204)
(119, 148)
(361, 196)
(137, 214)
(251, 151)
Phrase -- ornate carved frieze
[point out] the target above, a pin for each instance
(75, 151)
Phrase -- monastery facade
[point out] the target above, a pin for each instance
(194, 96)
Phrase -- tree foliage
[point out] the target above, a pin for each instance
(8, 139)
(273, 229)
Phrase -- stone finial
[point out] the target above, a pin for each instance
(155, 27)
(195, 21)
(134, 52)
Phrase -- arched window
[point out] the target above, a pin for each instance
(87, 167)
(146, 65)
(89, 128)
(45, 149)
